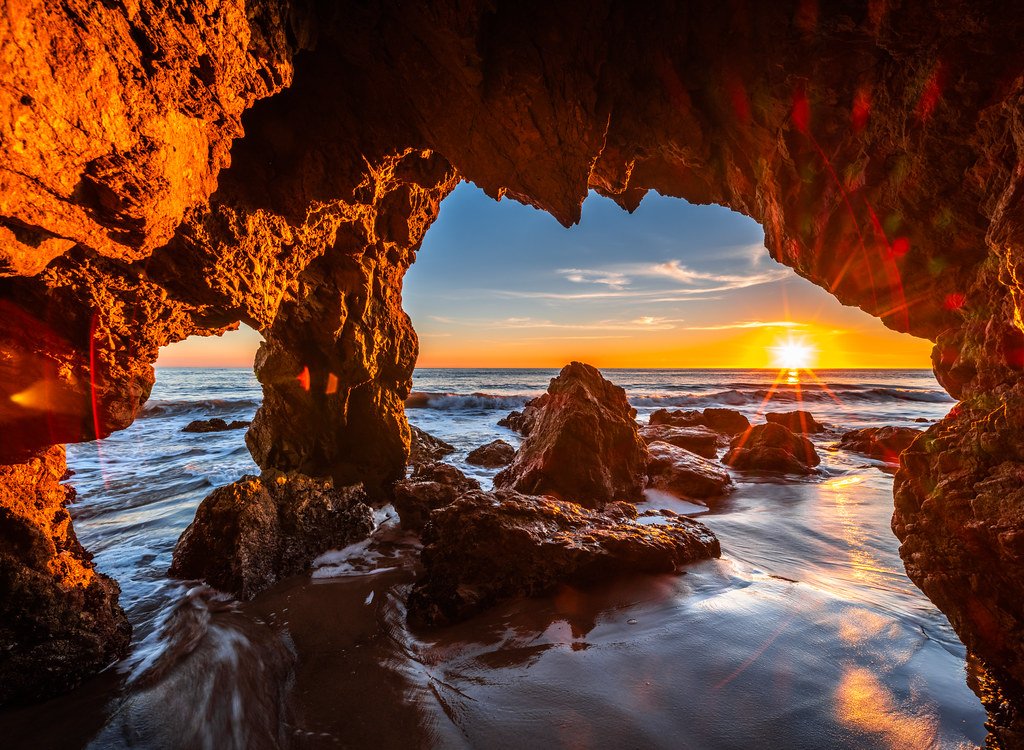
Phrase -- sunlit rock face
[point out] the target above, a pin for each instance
(59, 619)
(171, 171)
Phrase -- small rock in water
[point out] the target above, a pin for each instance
(725, 421)
(680, 472)
(214, 425)
(494, 454)
(884, 443)
(772, 447)
(796, 421)
(698, 439)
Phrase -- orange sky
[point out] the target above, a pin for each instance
(869, 346)
(675, 285)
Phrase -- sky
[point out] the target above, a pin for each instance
(500, 284)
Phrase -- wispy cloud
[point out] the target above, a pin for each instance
(620, 281)
(643, 323)
(675, 270)
(611, 279)
(748, 324)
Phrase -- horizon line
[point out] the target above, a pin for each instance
(559, 367)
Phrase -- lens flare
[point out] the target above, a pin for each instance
(793, 354)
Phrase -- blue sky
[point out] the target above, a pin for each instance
(671, 285)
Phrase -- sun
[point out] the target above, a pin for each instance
(793, 354)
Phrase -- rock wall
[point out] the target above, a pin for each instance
(169, 171)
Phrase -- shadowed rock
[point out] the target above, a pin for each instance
(680, 472)
(430, 487)
(583, 445)
(725, 421)
(426, 449)
(214, 425)
(796, 421)
(486, 547)
(771, 447)
(60, 620)
(494, 454)
(884, 443)
(697, 439)
(253, 532)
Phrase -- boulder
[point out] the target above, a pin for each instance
(426, 449)
(251, 533)
(677, 418)
(883, 443)
(494, 454)
(772, 447)
(486, 547)
(796, 421)
(522, 421)
(725, 421)
(583, 444)
(214, 425)
(430, 487)
(698, 439)
(680, 472)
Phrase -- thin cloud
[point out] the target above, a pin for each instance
(674, 269)
(643, 323)
(748, 324)
(611, 279)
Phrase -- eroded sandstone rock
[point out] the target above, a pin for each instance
(583, 445)
(430, 487)
(878, 144)
(798, 421)
(772, 447)
(680, 472)
(427, 449)
(486, 547)
(885, 443)
(959, 499)
(496, 453)
(698, 439)
(248, 535)
(60, 620)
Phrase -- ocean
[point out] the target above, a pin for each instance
(806, 634)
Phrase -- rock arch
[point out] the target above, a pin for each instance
(169, 170)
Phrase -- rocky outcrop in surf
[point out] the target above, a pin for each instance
(496, 453)
(685, 474)
(250, 534)
(216, 424)
(883, 443)
(487, 547)
(584, 444)
(771, 447)
(798, 421)
(725, 421)
(427, 449)
(698, 439)
(430, 487)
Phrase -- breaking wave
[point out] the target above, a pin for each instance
(210, 407)
(732, 397)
